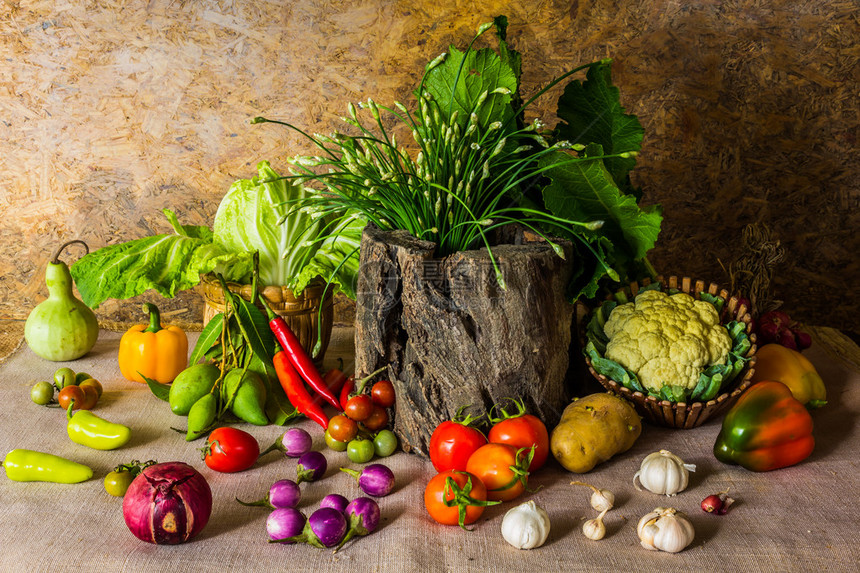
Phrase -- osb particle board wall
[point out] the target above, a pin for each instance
(111, 111)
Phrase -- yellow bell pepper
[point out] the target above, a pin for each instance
(778, 363)
(157, 352)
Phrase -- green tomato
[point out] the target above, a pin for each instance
(80, 377)
(359, 450)
(117, 482)
(42, 393)
(384, 443)
(64, 377)
(333, 444)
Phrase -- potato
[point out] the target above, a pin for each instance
(592, 430)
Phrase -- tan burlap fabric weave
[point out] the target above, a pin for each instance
(797, 519)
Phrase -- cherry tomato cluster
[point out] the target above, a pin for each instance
(362, 429)
(80, 390)
(477, 469)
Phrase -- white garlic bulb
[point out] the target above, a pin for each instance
(663, 473)
(526, 526)
(665, 529)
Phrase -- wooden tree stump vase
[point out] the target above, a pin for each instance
(451, 337)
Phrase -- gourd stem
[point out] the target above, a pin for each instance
(56, 258)
(154, 317)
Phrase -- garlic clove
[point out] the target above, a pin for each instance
(594, 528)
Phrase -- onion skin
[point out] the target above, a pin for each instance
(167, 504)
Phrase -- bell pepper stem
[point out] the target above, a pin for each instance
(154, 317)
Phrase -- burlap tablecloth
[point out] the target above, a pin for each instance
(796, 519)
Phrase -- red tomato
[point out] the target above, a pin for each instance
(523, 431)
(342, 429)
(358, 407)
(382, 394)
(377, 420)
(230, 450)
(452, 443)
(502, 468)
(470, 493)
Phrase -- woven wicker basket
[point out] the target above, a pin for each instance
(300, 312)
(680, 414)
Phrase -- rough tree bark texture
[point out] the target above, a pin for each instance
(452, 337)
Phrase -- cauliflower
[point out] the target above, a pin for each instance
(666, 339)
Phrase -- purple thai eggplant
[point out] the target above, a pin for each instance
(284, 524)
(311, 466)
(376, 479)
(283, 493)
(293, 443)
(335, 501)
(362, 515)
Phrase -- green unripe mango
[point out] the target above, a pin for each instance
(249, 401)
(61, 327)
(190, 385)
(201, 416)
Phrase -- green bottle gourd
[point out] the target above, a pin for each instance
(61, 327)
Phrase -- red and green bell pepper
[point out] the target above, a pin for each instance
(766, 429)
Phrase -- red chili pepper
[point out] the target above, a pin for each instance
(345, 392)
(295, 389)
(299, 358)
(334, 379)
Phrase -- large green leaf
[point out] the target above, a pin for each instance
(458, 82)
(128, 269)
(209, 337)
(585, 191)
(591, 112)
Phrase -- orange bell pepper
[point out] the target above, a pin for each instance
(157, 352)
(776, 362)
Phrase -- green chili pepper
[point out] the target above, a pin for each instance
(30, 465)
(87, 429)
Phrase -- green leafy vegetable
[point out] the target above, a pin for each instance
(255, 215)
(162, 263)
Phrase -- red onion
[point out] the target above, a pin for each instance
(167, 503)
(717, 503)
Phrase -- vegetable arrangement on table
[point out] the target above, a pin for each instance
(248, 366)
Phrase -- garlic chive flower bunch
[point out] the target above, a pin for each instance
(459, 180)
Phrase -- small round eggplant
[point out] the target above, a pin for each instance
(335, 501)
(376, 480)
(311, 466)
(362, 516)
(285, 524)
(283, 493)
